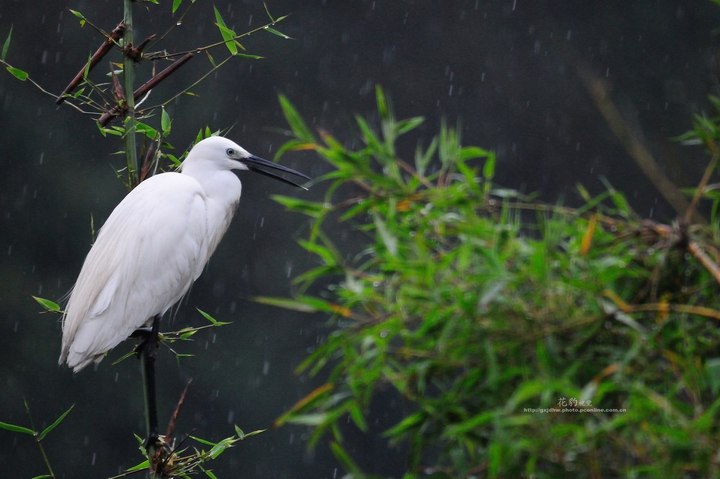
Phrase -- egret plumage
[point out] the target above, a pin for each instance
(153, 246)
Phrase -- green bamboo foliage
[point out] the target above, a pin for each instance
(521, 339)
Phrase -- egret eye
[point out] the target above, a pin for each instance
(230, 152)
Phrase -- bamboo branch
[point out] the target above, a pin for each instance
(662, 308)
(155, 80)
(145, 88)
(635, 147)
(693, 247)
(700, 190)
(103, 50)
(210, 46)
(705, 260)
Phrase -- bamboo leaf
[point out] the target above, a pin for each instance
(356, 415)
(212, 320)
(325, 253)
(489, 167)
(345, 460)
(277, 32)
(15, 428)
(187, 333)
(86, 70)
(49, 305)
(249, 56)
(6, 45)
(221, 447)
(80, 16)
(368, 134)
(301, 305)
(146, 130)
(244, 435)
(210, 58)
(55, 423)
(382, 103)
(314, 209)
(210, 474)
(165, 122)
(228, 35)
(297, 124)
(409, 422)
(315, 419)
(139, 467)
(203, 441)
(389, 240)
(254, 433)
(410, 124)
(310, 399)
(18, 73)
(422, 158)
(471, 424)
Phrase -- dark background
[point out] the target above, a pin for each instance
(505, 70)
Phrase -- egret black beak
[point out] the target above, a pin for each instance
(256, 164)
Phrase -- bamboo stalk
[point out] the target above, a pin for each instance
(129, 80)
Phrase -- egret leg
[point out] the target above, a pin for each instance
(147, 350)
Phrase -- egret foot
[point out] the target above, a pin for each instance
(149, 340)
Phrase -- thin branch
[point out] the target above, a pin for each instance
(176, 24)
(176, 413)
(88, 100)
(629, 138)
(163, 455)
(103, 50)
(224, 42)
(693, 248)
(46, 460)
(143, 89)
(662, 308)
(47, 92)
(200, 80)
(700, 190)
(155, 80)
(147, 160)
(705, 260)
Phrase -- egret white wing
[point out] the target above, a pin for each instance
(146, 257)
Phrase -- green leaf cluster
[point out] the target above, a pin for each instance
(38, 435)
(184, 461)
(21, 75)
(521, 339)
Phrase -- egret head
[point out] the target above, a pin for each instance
(221, 153)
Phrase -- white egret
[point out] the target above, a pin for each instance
(153, 246)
